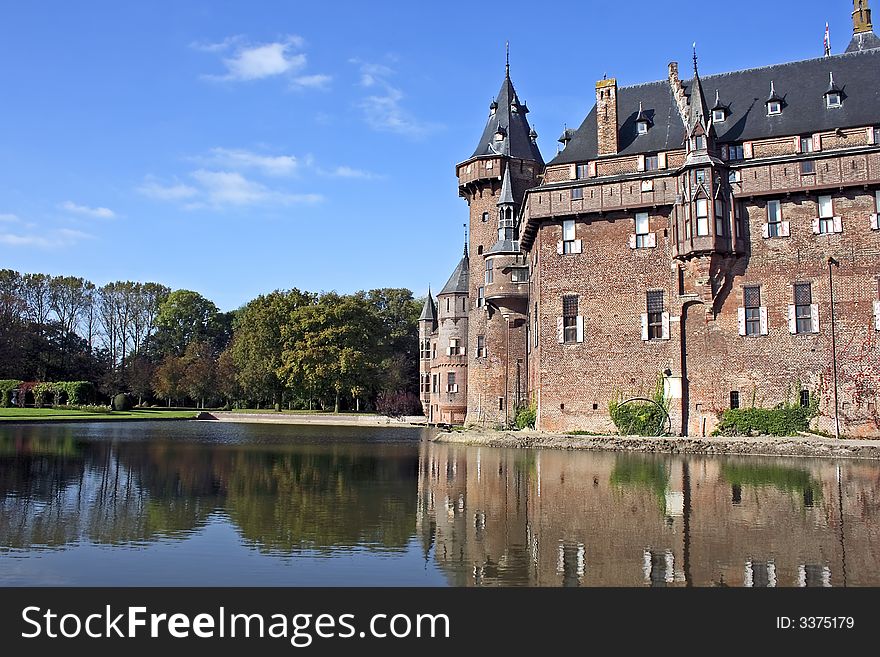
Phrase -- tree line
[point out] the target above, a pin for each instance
(285, 349)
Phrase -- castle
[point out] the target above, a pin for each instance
(717, 235)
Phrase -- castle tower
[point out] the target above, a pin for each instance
(450, 348)
(863, 29)
(427, 328)
(493, 181)
(861, 17)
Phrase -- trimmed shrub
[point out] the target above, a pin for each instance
(641, 418)
(784, 420)
(122, 402)
(75, 392)
(526, 417)
(7, 386)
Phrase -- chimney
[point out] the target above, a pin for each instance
(606, 116)
(677, 89)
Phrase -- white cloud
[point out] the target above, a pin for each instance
(350, 172)
(236, 158)
(317, 81)
(172, 192)
(100, 213)
(384, 111)
(51, 239)
(9, 218)
(219, 46)
(231, 188)
(249, 61)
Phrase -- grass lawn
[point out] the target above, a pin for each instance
(270, 411)
(55, 414)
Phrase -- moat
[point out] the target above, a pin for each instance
(204, 504)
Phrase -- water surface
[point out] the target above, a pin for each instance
(204, 504)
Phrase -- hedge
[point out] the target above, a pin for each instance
(76, 392)
(784, 420)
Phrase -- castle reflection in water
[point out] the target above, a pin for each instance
(553, 518)
(467, 516)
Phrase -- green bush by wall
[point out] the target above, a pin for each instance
(784, 420)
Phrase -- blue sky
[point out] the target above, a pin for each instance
(236, 147)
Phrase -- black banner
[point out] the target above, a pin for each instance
(330, 621)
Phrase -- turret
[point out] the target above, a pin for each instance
(863, 29)
(427, 329)
(494, 180)
(704, 211)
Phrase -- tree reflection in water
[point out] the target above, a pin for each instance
(472, 516)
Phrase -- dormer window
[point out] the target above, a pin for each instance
(719, 111)
(643, 121)
(834, 94)
(500, 134)
(699, 142)
(493, 108)
(774, 102)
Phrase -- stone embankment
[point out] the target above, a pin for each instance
(361, 420)
(815, 446)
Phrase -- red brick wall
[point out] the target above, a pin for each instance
(611, 281)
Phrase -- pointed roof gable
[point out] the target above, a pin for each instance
(429, 310)
(458, 282)
(698, 111)
(506, 197)
(508, 115)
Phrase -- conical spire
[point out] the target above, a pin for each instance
(507, 129)
(458, 282)
(506, 197)
(429, 310)
(698, 113)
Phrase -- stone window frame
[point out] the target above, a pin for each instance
(656, 318)
(752, 316)
(776, 226)
(481, 346)
(803, 313)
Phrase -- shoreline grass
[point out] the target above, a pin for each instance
(64, 415)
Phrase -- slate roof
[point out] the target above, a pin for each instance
(458, 282)
(863, 41)
(802, 86)
(504, 246)
(429, 310)
(517, 142)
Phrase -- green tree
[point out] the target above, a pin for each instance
(168, 379)
(199, 371)
(258, 342)
(333, 345)
(227, 378)
(399, 314)
(184, 317)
